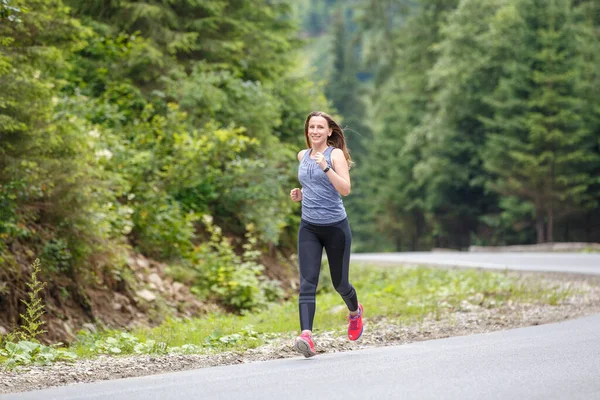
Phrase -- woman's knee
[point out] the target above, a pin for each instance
(307, 287)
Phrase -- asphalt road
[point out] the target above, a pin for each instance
(554, 361)
(585, 263)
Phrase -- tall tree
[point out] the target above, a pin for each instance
(538, 146)
(398, 216)
(37, 148)
(343, 87)
(254, 38)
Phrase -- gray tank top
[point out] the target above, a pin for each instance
(321, 202)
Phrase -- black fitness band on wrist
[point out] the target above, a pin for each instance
(327, 169)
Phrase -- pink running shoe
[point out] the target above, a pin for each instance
(355, 325)
(305, 345)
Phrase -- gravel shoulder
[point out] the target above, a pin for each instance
(473, 317)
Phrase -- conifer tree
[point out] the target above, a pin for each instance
(539, 148)
(343, 87)
(395, 201)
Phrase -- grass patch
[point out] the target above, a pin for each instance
(400, 295)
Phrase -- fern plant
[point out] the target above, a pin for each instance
(32, 319)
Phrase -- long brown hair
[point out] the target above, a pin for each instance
(337, 138)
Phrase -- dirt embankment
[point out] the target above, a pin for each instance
(144, 299)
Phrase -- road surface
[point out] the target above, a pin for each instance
(554, 361)
(584, 263)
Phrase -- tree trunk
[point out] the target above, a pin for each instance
(550, 229)
(539, 227)
(539, 221)
(398, 241)
(549, 210)
(418, 232)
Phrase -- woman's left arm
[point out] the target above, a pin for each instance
(340, 178)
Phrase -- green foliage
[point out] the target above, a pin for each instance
(235, 281)
(510, 225)
(9, 12)
(109, 67)
(425, 292)
(212, 93)
(57, 256)
(32, 322)
(21, 347)
(546, 149)
(162, 221)
(116, 343)
(245, 336)
(252, 37)
(126, 343)
(51, 178)
(344, 90)
(399, 200)
(126, 121)
(9, 206)
(25, 353)
(481, 112)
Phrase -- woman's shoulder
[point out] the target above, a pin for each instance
(337, 152)
(301, 154)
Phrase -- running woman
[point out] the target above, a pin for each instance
(324, 175)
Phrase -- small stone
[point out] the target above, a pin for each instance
(91, 328)
(146, 295)
(68, 329)
(176, 288)
(142, 262)
(153, 278)
(131, 261)
(478, 298)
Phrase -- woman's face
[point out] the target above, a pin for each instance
(318, 130)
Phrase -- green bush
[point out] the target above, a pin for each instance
(234, 281)
(57, 256)
(164, 230)
(10, 194)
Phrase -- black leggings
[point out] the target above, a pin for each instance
(336, 239)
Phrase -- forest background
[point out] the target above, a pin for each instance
(168, 131)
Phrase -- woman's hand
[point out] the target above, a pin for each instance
(320, 160)
(296, 194)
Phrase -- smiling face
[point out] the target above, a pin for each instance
(317, 131)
